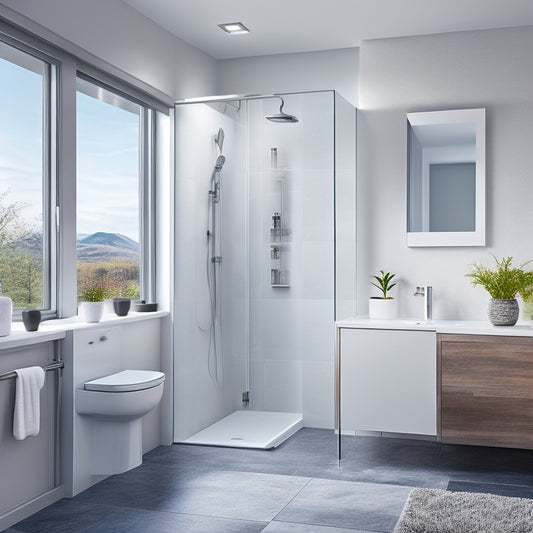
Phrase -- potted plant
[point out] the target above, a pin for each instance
(503, 283)
(527, 295)
(92, 305)
(384, 306)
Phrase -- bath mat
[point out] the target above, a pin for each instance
(441, 511)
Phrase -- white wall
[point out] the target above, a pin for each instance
(490, 69)
(118, 34)
(305, 71)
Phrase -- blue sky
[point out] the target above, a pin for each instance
(107, 157)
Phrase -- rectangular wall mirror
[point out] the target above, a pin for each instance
(446, 178)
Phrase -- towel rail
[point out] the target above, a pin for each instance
(52, 366)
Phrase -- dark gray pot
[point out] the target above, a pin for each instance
(503, 312)
(31, 319)
(121, 306)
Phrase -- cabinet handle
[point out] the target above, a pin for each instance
(103, 338)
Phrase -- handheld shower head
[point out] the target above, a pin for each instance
(219, 163)
(219, 139)
(281, 117)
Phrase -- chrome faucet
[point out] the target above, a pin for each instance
(427, 293)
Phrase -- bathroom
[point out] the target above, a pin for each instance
(384, 79)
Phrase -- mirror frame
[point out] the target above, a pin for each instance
(453, 238)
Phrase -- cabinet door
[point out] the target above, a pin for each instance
(486, 390)
(388, 381)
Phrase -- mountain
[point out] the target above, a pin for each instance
(93, 248)
(103, 246)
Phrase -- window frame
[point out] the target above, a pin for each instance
(147, 152)
(49, 127)
(59, 164)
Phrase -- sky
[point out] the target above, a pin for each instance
(107, 156)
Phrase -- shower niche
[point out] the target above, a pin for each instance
(280, 234)
(285, 228)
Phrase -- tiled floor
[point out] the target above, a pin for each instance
(297, 488)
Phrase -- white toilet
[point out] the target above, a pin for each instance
(116, 405)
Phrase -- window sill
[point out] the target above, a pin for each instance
(51, 330)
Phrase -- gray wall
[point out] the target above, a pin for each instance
(490, 69)
(305, 71)
(118, 34)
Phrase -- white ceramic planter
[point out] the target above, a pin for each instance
(91, 311)
(6, 315)
(383, 309)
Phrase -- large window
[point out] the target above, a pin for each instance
(77, 174)
(26, 186)
(112, 207)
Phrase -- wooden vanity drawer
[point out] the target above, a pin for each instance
(485, 390)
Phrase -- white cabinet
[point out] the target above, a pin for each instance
(388, 381)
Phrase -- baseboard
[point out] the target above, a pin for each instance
(30, 507)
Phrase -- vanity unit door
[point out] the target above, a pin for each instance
(388, 381)
(486, 390)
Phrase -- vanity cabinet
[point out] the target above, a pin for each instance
(387, 381)
(485, 390)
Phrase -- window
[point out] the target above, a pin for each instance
(113, 193)
(26, 185)
(77, 178)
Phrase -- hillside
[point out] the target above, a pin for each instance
(102, 246)
(93, 248)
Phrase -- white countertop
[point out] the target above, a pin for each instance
(456, 327)
(51, 330)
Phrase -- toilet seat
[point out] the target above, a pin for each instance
(126, 381)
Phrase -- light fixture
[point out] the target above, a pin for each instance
(234, 28)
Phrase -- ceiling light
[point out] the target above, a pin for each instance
(234, 28)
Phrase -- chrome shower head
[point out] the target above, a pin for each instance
(281, 117)
(219, 163)
(219, 139)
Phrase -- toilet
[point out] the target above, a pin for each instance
(116, 405)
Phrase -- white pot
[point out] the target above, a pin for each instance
(6, 315)
(91, 311)
(383, 308)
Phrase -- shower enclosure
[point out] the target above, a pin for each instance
(265, 262)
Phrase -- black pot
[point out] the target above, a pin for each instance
(121, 306)
(31, 319)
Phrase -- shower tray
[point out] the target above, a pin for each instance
(249, 429)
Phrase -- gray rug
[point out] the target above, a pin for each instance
(440, 511)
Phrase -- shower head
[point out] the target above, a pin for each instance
(281, 117)
(219, 139)
(219, 163)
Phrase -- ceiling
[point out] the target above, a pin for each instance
(284, 26)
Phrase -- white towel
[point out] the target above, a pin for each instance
(27, 415)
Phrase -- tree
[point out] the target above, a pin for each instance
(20, 256)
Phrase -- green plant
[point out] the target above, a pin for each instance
(527, 291)
(94, 294)
(384, 284)
(505, 281)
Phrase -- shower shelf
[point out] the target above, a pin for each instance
(279, 286)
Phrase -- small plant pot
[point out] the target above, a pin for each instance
(91, 311)
(503, 312)
(382, 308)
(31, 319)
(122, 306)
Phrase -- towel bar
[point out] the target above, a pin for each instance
(52, 366)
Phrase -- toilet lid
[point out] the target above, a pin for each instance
(127, 380)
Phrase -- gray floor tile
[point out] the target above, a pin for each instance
(376, 507)
(244, 495)
(516, 491)
(288, 527)
(68, 516)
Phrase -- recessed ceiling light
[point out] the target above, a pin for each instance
(234, 28)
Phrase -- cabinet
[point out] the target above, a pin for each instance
(485, 392)
(387, 381)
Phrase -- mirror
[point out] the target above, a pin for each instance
(446, 178)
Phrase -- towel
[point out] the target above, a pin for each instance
(27, 415)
